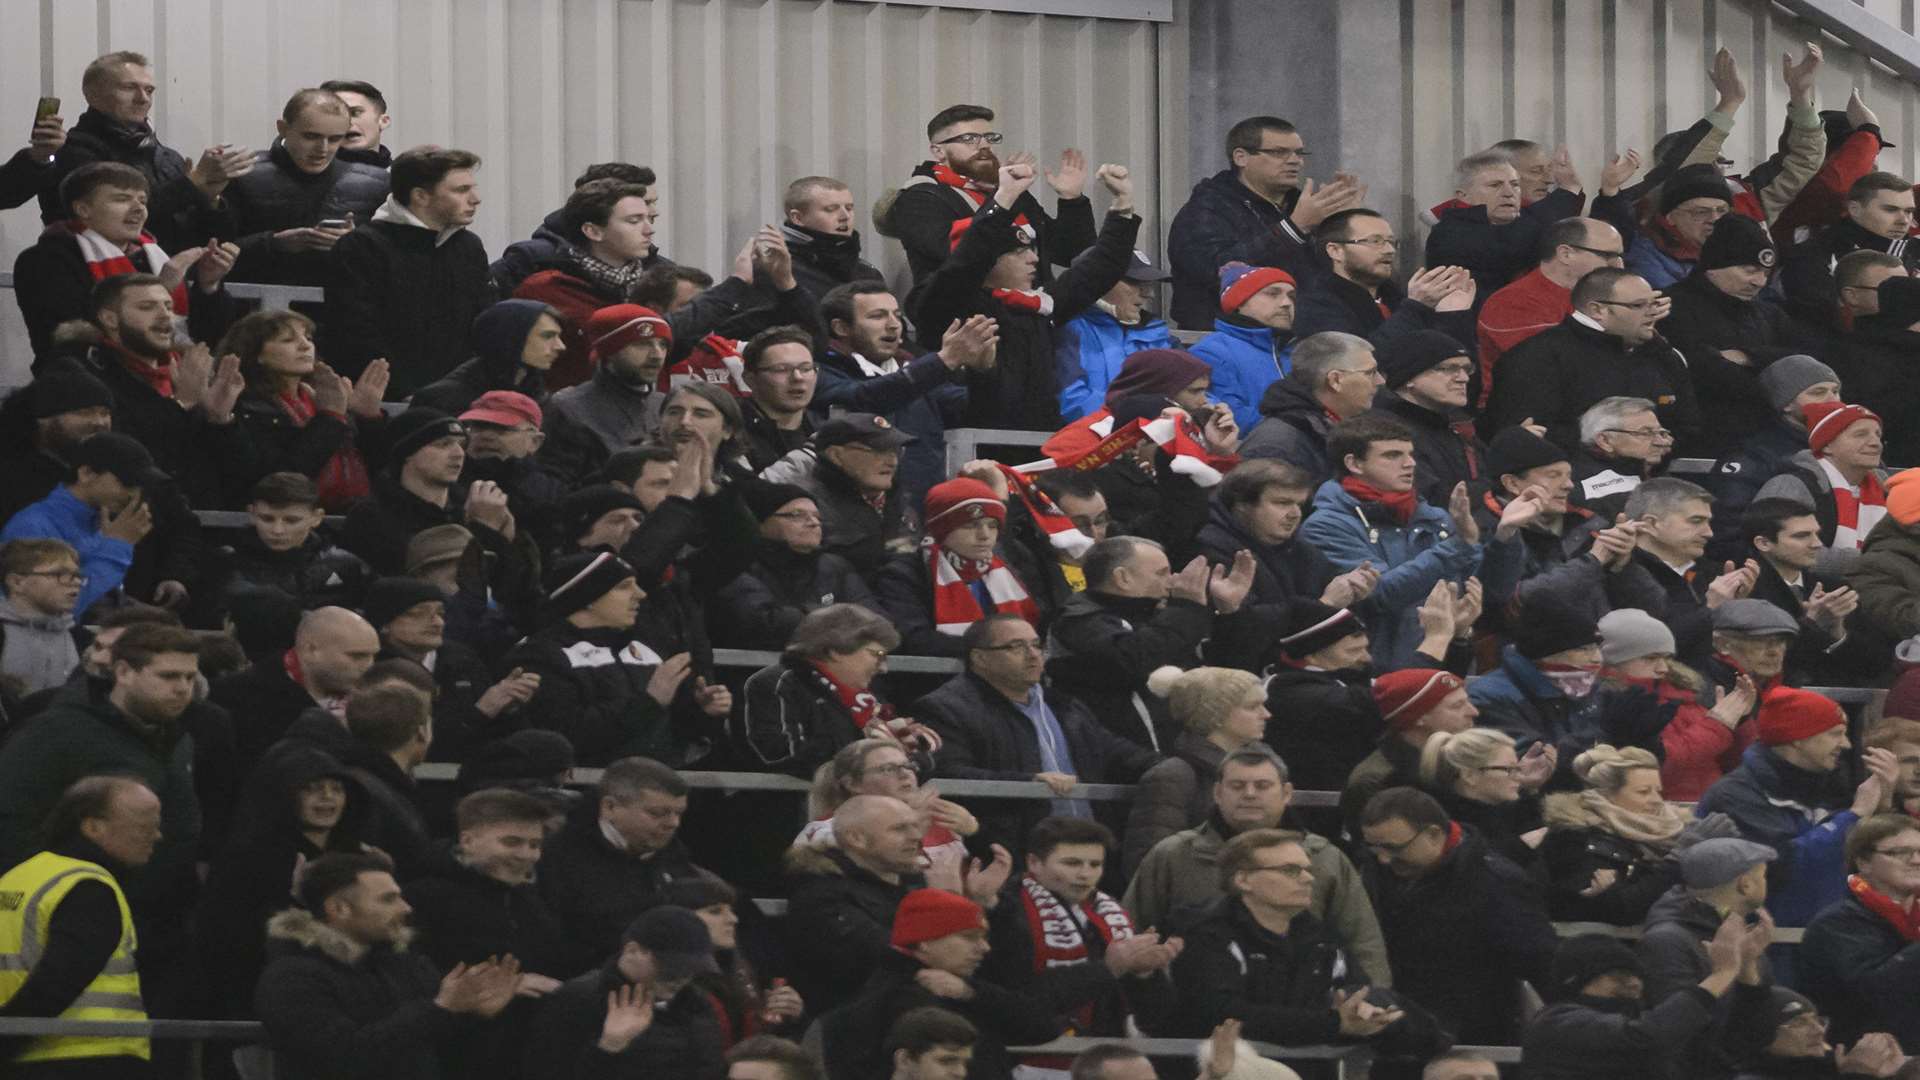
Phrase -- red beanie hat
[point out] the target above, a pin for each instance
(927, 914)
(1239, 281)
(611, 329)
(1404, 696)
(1827, 419)
(1789, 715)
(959, 501)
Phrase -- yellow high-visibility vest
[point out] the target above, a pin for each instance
(29, 895)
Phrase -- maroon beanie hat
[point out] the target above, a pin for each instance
(1156, 371)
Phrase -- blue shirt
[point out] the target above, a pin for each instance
(1055, 757)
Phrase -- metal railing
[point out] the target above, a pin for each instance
(276, 297)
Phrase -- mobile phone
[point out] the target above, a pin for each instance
(333, 223)
(49, 106)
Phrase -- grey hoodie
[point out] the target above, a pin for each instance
(38, 650)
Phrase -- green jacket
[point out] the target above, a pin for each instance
(82, 734)
(1887, 577)
(1183, 870)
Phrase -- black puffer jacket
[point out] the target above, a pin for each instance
(1558, 374)
(1293, 428)
(790, 723)
(335, 1009)
(178, 215)
(463, 916)
(277, 194)
(317, 574)
(1705, 321)
(1281, 572)
(760, 608)
(595, 889)
(1102, 649)
(839, 923)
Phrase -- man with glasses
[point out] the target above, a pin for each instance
(864, 516)
(1860, 956)
(789, 576)
(1260, 210)
(997, 721)
(1359, 296)
(1334, 378)
(959, 176)
(1463, 924)
(1607, 347)
(43, 580)
(1540, 299)
(1429, 387)
(1621, 444)
(1260, 956)
(1798, 1045)
(778, 367)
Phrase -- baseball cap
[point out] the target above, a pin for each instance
(677, 940)
(865, 428)
(121, 455)
(1141, 268)
(502, 408)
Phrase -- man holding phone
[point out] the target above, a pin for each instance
(26, 172)
(301, 197)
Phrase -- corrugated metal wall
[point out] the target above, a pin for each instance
(1604, 75)
(727, 99)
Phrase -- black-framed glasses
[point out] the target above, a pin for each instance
(1296, 871)
(1602, 252)
(1086, 523)
(973, 138)
(1631, 305)
(1903, 854)
(1280, 153)
(1373, 242)
(1026, 645)
(1642, 433)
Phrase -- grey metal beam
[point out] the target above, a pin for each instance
(1864, 31)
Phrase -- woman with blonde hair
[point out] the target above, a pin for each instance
(882, 767)
(1220, 710)
(1609, 849)
(1480, 778)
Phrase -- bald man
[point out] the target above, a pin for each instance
(844, 896)
(331, 650)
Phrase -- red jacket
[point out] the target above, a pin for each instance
(1515, 313)
(1824, 200)
(576, 301)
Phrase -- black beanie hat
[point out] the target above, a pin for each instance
(1580, 960)
(1407, 357)
(60, 392)
(1516, 450)
(532, 754)
(1547, 626)
(1312, 626)
(1693, 182)
(388, 598)
(580, 509)
(1737, 240)
(765, 500)
(412, 430)
(578, 580)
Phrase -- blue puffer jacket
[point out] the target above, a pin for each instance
(1794, 811)
(1245, 361)
(1089, 351)
(1517, 698)
(1650, 261)
(1412, 558)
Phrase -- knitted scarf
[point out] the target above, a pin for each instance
(1854, 515)
(1656, 831)
(343, 479)
(1058, 940)
(1906, 920)
(613, 280)
(1177, 435)
(1062, 534)
(954, 605)
(970, 189)
(107, 259)
(156, 374)
(1030, 301)
(872, 716)
(1400, 504)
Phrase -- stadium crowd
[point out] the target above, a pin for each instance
(1413, 535)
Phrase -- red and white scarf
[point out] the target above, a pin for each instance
(955, 607)
(343, 479)
(872, 716)
(714, 360)
(1062, 534)
(107, 259)
(1059, 941)
(1855, 514)
(1177, 435)
(1906, 920)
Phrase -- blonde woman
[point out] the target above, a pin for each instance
(1219, 710)
(881, 767)
(1609, 849)
(1484, 784)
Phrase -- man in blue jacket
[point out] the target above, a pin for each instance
(1370, 513)
(1259, 210)
(1251, 337)
(101, 512)
(1788, 792)
(1090, 349)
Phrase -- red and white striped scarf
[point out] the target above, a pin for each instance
(1854, 515)
(954, 606)
(1058, 941)
(1177, 435)
(1062, 534)
(107, 259)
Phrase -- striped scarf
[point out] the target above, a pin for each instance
(106, 259)
(955, 607)
(1059, 941)
(1854, 515)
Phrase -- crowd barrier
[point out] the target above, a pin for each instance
(249, 1032)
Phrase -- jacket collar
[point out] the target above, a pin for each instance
(1526, 675)
(392, 211)
(1251, 333)
(299, 927)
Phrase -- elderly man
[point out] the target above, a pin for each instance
(1486, 228)
(1621, 444)
(1334, 378)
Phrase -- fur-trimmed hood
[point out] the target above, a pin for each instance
(299, 927)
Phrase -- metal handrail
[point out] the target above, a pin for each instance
(276, 297)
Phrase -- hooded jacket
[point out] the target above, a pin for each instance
(37, 650)
(1800, 814)
(1518, 700)
(277, 194)
(1223, 221)
(336, 1009)
(1292, 428)
(400, 290)
(1246, 360)
(499, 335)
(554, 234)
(822, 261)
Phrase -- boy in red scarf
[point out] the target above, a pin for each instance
(958, 576)
(1055, 935)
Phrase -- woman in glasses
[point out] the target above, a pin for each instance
(1484, 784)
(881, 767)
